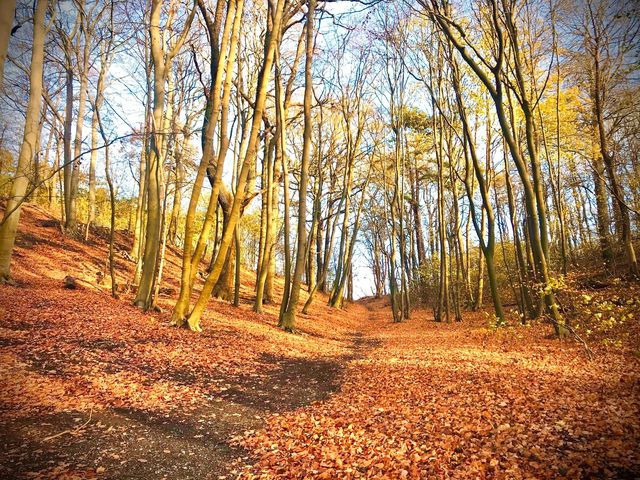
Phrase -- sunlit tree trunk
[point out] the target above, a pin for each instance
(473, 163)
(249, 159)
(337, 299)
(69, 162)
(11, 217)
(287, 320)
(222, 60)
(93, 159)
(531, 181)
(267, 246)
(105, 59)
(83, 72)
(138, 234)
(7, 11)
(155, 160)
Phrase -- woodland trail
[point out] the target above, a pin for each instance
(462, 401)
(133, 439)
(410, 400)
(138, 442)
(94, 388)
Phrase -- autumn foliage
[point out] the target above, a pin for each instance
(93, 388)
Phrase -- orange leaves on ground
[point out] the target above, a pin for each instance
(72, 349)
(351, 396)
(460, 401)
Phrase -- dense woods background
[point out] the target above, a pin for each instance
(445, 154)
(408, 229)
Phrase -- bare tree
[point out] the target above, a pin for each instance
(28, 147)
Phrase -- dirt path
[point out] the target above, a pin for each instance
(92, 387)
(132, 443)
(141, 443)
(352, 396)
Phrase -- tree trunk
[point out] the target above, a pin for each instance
(82, 102)
(155, 166)
(222, 59)
(69, 162)
(602, 211)
(610, 168)
(252, 147)
(264, 262)
(92, 174)
(287, 321)
(7, 12)
(9, 225)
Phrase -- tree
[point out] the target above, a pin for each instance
(162, 56)
(502, 25)
(249, 158)
(28, 147)
(222, 60)
(609, 33)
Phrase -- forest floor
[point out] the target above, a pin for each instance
(93, 388)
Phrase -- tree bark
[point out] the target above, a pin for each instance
(7, 12)
(287, 320)
(9, 225)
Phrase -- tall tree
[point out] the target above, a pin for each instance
(162, 56)
(502, 26)
(28, 147)
(228, 234)
(287, 320)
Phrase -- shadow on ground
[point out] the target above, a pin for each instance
(131, 443)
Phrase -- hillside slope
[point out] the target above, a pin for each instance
(133, 395)
(94, 388)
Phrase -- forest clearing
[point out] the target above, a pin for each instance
(355, 239)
